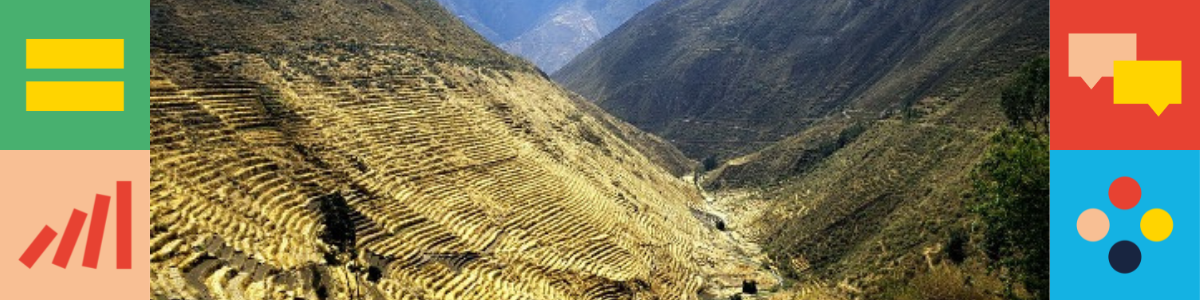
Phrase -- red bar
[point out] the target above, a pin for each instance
(91, 254)
(38, 246)
(124, 231)
(67, 244)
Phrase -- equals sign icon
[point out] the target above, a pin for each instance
(74, 95)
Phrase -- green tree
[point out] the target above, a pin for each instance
(1026, 100)
(1013, 186)
(1012, 183)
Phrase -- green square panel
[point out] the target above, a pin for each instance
(75, 130)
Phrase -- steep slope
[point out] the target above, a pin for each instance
(377, 149)
(548, 33)
(877, 205)
(848, 129)
(726, 78)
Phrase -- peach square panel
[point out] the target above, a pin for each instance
(42, 188)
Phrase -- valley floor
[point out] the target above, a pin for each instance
(745, 260)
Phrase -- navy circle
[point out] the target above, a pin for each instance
(1124, 257)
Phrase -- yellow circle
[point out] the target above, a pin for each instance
(1157, 225)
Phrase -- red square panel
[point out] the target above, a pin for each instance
(1083, 118)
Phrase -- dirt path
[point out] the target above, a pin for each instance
(744, 258)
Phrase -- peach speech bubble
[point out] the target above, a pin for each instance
(1091, 55)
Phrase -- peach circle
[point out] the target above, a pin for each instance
(1092, 225)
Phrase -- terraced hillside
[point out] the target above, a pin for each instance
(292, 162)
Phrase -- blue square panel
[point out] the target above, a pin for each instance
(1141, 196)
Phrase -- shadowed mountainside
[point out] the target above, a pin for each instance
(878, 204)
(726, 78)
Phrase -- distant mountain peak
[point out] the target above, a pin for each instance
(548, 33)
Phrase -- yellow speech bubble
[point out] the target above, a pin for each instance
(1157, 83)
(1091, 55)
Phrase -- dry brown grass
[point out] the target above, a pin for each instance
(943, 282)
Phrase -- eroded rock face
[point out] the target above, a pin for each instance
(322, 168)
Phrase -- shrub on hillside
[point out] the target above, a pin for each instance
(1013, 189)
(1012, 183)
(1026, 100)
(710, 163)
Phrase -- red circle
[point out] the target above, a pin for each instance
(1124, 193)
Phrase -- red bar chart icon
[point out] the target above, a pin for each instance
(91, 254)
(96, 236)
(124, 233)
(69, 237)
(38, 246)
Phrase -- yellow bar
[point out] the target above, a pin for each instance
(74, 54)
(74, 96)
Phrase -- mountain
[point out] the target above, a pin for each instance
(501, 20)
(547, 32)
(844, 137)
(726, 78)
(379, 149)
